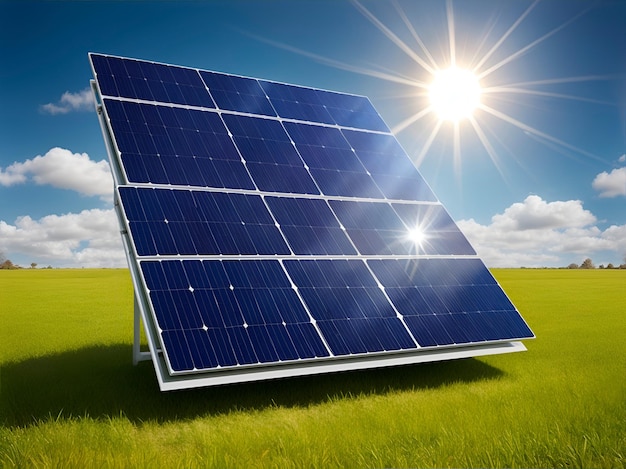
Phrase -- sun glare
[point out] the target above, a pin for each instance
(417, 236)
(454, 94)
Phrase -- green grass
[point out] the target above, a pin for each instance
(70, 397)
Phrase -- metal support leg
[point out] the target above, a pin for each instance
(138, 355)
(136, 333)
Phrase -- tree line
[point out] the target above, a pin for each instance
(588, 264)
(6, 264)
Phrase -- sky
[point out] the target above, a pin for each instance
(535, 177)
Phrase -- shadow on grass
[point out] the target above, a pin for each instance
(101, 382)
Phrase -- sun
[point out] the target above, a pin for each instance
(454, 94)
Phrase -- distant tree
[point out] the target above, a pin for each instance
(33, 265)
(587, 264)
(572, 266)
(601, 266)
(8, 265)
(610, 266)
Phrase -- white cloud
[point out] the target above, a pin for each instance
(63, 169)
(87, 239)
(536, 214)
(622, 159)
(536, 233)
(611, 184)
(11, 175)
(81, 101)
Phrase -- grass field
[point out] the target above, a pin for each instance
(70, 397)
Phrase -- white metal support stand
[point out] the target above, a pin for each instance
(138, 355)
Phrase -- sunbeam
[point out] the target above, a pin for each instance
(456, 140)
(538, 133)
(451, 32)
(394, 78)
(418, 39)
(411, 120)
(500, 41)
(525, 49)
(558, 81)
(487, 144)
(394, 38)
(427, 144)
(549, 94)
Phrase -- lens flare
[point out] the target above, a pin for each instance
(416, 236)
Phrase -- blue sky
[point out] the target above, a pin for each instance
(536, 178)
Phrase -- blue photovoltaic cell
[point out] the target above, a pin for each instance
(270, 156)
(389, 165)
(332, 162)
(237, 93)
(177, 146)
(271, 223)
(309, 226)
(462, 303)
(353, 111)
(262, 140)
(226, 313)
(441, 235)
(150, 81)
(425, 216)
(295, 102)
(374, 227)
(350, 309)
(327, 107)
(378, 228)
(166, 222)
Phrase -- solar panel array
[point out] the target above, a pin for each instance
(272, 224)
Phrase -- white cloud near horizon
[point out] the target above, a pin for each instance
(63, 169)
(536, 233)
(611, 184)
(80, 101)
(87, 239)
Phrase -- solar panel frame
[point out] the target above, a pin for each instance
(311, 128)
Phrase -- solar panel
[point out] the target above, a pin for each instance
(274, 230)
